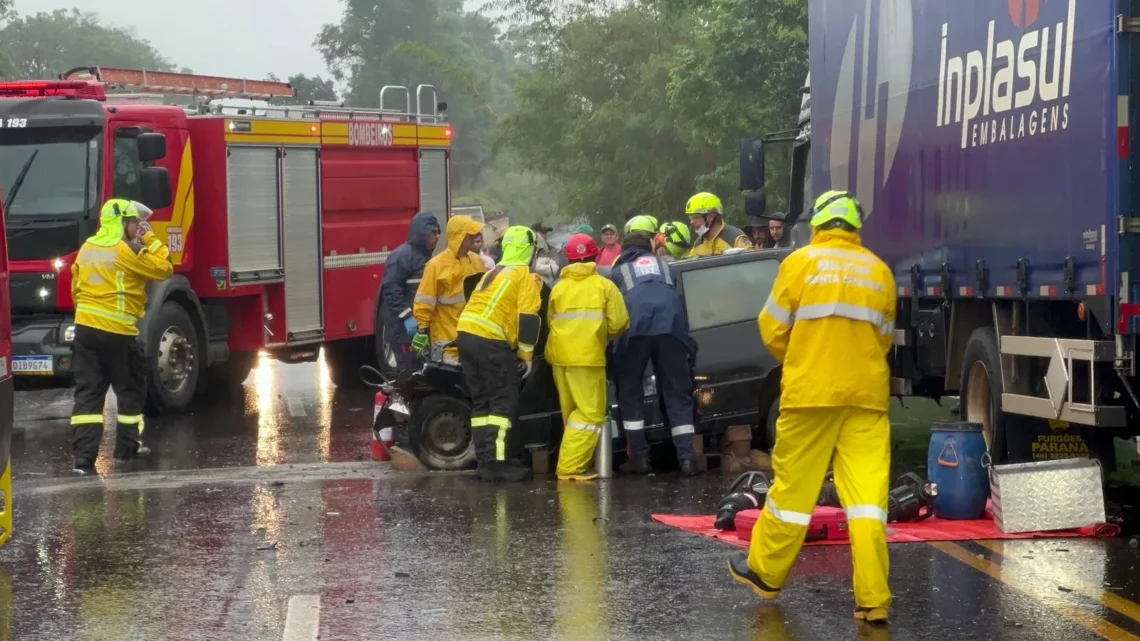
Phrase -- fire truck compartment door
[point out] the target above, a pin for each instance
(434, 182)
(302, 222)
(254, 226)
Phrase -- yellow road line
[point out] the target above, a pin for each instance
(1104, 597)
(993, 570)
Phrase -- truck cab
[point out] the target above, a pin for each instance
(64, 154)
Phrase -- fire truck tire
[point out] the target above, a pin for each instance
(384, 356)
(439, 432)
(173, 356)
(344, 359)
(981, 389)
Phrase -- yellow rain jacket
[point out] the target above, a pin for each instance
(836, 300)
(108, 280)
(586, 311)
(504, 295)
(439, 299)
(718, 240)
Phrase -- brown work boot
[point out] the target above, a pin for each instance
(874, 616)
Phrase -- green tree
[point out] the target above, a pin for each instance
(45, 44)
(307, 88)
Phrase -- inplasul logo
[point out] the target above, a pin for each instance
(870, 98)
(1013, 88)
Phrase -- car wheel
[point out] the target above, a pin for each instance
(770, 418)
(439, 432)
(343, 359)
(173, 356)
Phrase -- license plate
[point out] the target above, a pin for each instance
(32, 365)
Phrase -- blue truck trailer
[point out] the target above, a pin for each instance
(991, 145)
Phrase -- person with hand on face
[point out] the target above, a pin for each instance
(501, 322)
(759, 228)
(658, 333)
(586, 311)
(611, 246)
(440, 298)
(108, 285)
(403, 272)
(713, 235)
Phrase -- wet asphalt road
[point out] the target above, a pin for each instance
(258, 520)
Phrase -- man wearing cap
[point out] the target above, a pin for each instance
(108, 285)
(611, 248)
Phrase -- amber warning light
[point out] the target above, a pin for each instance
(448, 132)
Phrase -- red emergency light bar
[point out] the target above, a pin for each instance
(43, 88)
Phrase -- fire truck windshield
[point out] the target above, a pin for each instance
(49, 172)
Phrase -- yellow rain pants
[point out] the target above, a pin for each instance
(582, 396)
(806, 440)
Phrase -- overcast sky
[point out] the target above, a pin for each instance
(243, 38)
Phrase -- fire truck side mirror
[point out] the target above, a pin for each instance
(155, 184)
(152, 147)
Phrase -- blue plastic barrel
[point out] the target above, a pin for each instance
(954, 462)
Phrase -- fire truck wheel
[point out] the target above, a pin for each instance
(384, 354)
(344, 358)
(439, 432)
(174, 356)
(981, 389)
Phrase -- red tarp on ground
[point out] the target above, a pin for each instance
(929, 530)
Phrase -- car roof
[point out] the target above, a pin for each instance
(747, 256)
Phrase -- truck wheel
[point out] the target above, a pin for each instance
(439, 432)
(981, 388)
(173, 355)
(385, 357)
(343, 359)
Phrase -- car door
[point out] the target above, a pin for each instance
(723, 299)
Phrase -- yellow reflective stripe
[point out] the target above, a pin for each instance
(870, 512)
(130, 419)
(479, 320)
(90, 309)
(504, 425)
(155, 246)
(523, 347)
(479, 421)
(499, 291)
(777, 312)
(795, 518)
(121, 292)
(87, 419)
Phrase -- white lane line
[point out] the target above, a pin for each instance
(296, 407)
(303, 619)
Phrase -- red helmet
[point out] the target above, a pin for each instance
(580, 247)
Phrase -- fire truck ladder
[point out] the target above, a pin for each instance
(183, 84)
(427, 110)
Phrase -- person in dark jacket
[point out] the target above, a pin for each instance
(402, 273)
(658, 332)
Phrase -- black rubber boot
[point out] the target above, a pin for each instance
(142, 452)
(636, 465)
(689, 468)
(738, 568)
(512, 471)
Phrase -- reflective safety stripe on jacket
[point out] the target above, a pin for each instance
(586, 311)
(439, 298)
(502, 296)
(109, 283)
(830, 320)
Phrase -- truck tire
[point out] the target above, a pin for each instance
(439, 432)
(173, 355)
(343, 359)
(385, 358)
(981, 387)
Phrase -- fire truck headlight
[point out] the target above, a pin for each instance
(69, 333)
(43, 293)
(57, 264)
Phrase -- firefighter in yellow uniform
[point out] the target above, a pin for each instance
(499, 323)
(713, 235)
(439, 299)
(108, 286)
(832, 309)
(586, 311)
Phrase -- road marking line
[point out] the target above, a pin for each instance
(303, 618)
(994, 571)
(1104, 597)
(296, 407)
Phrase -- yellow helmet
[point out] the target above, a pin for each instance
(704, 203)
(647, 224)
(837, 205)
(678, 238)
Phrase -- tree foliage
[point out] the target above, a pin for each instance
(48, 43)
(307, 88)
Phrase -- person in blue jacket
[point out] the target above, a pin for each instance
(402, 273)
(658, 332)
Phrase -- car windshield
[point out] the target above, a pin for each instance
(59, 169)
(727, 294)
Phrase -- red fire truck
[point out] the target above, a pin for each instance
(278, 219)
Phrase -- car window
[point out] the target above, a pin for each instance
(128, 168)
(728, 294)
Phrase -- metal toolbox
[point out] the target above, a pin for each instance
(1047, 495)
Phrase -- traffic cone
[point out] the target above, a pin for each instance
(382, 440)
